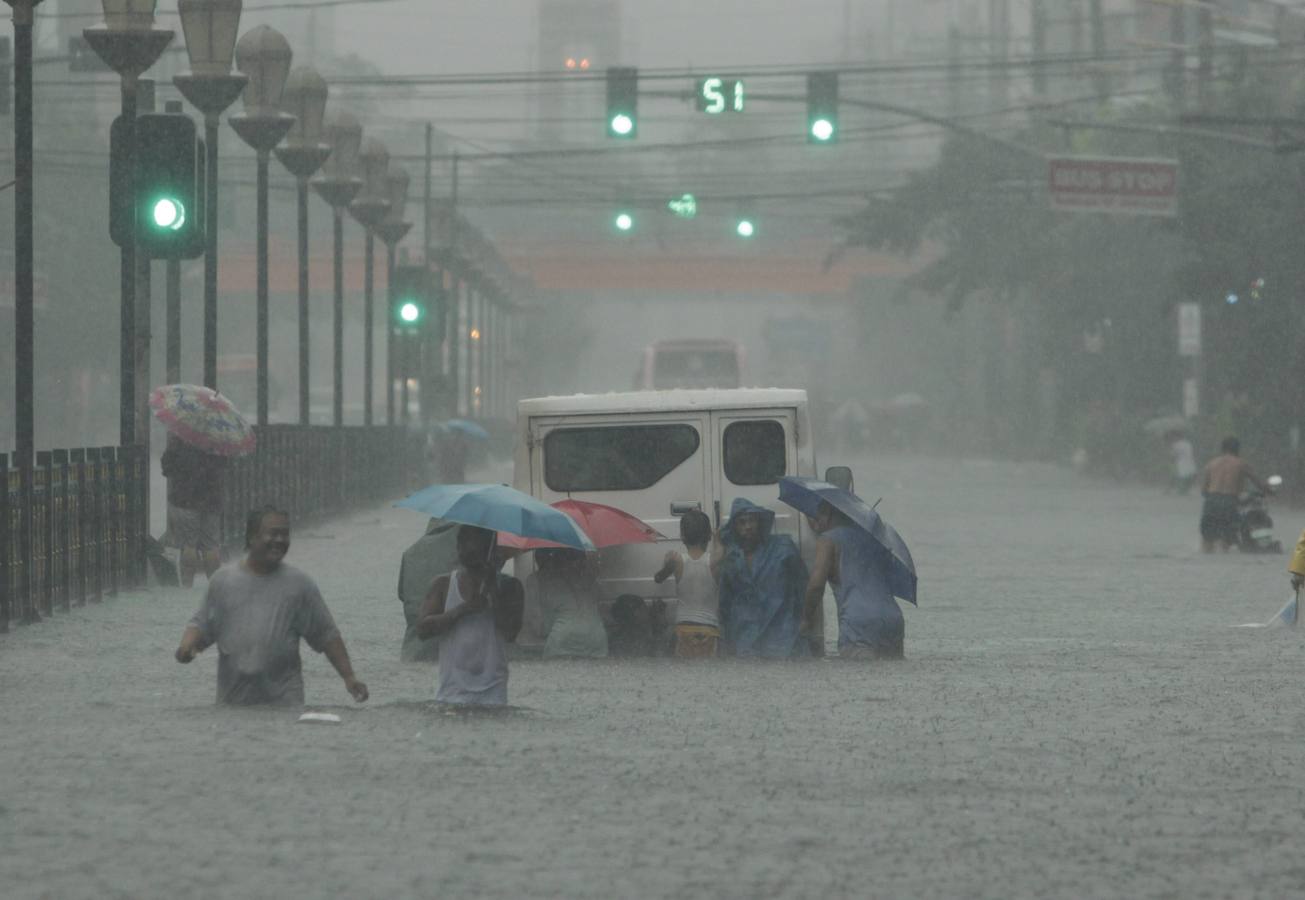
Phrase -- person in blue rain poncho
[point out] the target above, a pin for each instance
(762, 580)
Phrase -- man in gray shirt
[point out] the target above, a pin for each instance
(256, 612)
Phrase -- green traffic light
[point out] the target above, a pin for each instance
(822, 129)
(745, 228)
(410, 312)
(622, 124)
(624, 221)
(168, 213)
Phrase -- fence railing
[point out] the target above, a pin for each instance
(314, 471)
(73, 527)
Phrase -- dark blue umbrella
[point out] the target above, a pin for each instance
(806, 494)
(498, 508)
(469, 428)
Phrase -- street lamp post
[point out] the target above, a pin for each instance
(369, 208)
(304, 97)
(210, 27)
(129, 44)
(392, 230)
(337, 186)
(264, 56)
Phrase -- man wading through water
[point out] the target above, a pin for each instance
(256, 612)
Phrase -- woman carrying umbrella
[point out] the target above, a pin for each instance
(203, 430)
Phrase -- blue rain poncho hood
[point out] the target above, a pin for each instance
(761, 599)
(744, 506)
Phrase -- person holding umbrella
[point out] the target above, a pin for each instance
(204, 429)
(864, 559)
(475, 612)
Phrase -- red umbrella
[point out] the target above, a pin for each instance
(606, 526)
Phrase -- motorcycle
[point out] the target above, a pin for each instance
(1255, 525)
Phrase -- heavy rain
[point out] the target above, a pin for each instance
(617, 448)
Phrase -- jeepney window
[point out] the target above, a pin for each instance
(621, 458)
(754, 452)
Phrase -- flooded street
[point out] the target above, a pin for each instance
(1075, 718)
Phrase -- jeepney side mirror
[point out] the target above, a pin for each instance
(839, 476)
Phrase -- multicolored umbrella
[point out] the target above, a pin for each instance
(605, 525)
(203, 418)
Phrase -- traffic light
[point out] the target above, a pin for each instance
(165, 206)
(822, 107)
(623, 221)
(744, 227)
(623, 102)
(412, 299)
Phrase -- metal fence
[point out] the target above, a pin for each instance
(313, 471)
(73, 528)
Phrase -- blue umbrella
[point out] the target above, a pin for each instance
(469, 428)
(498, 508)
(806, 494)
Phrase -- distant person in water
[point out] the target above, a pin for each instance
(1222, 482)
(256, 612)
(475, 612)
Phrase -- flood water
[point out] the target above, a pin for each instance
(1075, 718)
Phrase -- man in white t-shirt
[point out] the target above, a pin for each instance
(697, 616)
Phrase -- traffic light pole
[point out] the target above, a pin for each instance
(24, 265)
(24, 310)
(127, 280)
(389, 338)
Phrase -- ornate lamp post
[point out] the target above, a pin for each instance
(210, 27)
(129, 44)
(392, 230)
(263, 55)
(369, 208)
(304, 97)
(337, 186)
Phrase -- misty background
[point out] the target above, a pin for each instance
(907, 258)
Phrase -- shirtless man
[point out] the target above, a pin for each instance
(1221, 485)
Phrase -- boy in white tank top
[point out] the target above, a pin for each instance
(475, 612)
(697, 617)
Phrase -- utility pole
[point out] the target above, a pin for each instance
(1100, 79)
(435, 274)
(454, 329)
(1178, 56)
(999, 53)
(1205, 61)
(1038, 27)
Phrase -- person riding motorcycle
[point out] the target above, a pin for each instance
(1221, 486)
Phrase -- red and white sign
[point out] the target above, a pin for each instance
(1132, 186)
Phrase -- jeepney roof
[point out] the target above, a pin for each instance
(662, 401)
